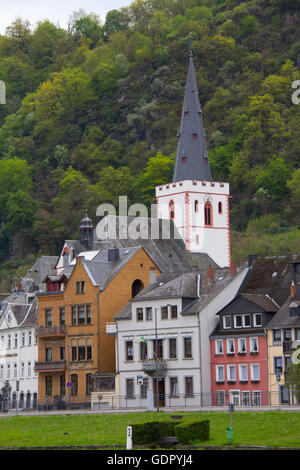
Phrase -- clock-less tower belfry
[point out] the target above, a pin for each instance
(198, 206)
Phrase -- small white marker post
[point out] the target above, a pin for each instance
(129, 438)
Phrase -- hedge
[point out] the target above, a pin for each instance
(192, 431)
(151, 432)
(144, 433)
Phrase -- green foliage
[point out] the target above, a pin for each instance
(96, 107)
(192, 430)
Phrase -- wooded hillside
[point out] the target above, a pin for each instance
(93, 111)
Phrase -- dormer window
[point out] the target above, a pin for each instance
(257, 319)
(227, 321)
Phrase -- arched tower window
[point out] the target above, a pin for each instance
(196, 206)
(171, 210)
(208, 214)
(136, 287)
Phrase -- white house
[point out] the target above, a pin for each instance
(18, 353)
(162, 338)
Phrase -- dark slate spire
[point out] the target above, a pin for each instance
(192, 158)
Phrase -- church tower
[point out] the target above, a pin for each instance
(198, 206)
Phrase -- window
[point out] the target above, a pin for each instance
(160, 348)
(129, 350)
(48, 354)
(208, 214)
(257, 319)
(246, 398)
(220, 397)
(220, 376)
(231, 374)
(189, 387)
(8, 371)
(164, 313)
(29, 369)
(172, 348)
(88, 314)
(143, 351)
(256, 398)
(144, 388)
(80, 287)
(16, 340)
(196, 206)
(62, 316)
(230, 346)
(48, 317)
(227, 321)
(73, 315)
(247, 321)
(48, 385)
(148, 313)
(29, 338)
(253, 345)
(129, 388)
(255, 376)
(278, 366)
(174, 311)
(1, 371)
(220, 207)
(23, 339)
(74, 353)
(81, 314)
(243, 373)
(23, 369)
(139, 314)
(89, 353)
(187, 342)
(88, 384)
(74, 388)
(287, 335)
(276, 336)
(219, 346)
(171, 210)
(242, 345)
(9, 341)
(15, 371)
(238, 321)
(62, 353)
(62, 380)
(81, 353)
(174, 387)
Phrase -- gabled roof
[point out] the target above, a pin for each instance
(192, 157)
(250, 303)
(43, 266)
(283, 319)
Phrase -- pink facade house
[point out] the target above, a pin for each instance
(238, 348)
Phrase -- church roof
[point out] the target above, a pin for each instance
(192, 157)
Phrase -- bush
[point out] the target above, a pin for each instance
(145, 433)
(192, 430)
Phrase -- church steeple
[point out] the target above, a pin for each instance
(192, 158)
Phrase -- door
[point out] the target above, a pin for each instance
(235, 397)
(161, 392)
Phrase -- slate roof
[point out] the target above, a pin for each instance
(283, 319)
(43, 266)
(196, 166)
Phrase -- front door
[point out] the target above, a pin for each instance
(161, 392)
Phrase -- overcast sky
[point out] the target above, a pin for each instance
(57, 11)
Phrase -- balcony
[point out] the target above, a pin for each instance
(50, 366)
(53, 331)
(151, 366)
(111, 328)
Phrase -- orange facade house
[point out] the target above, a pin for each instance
(72, 318)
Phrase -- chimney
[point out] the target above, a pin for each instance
(233, 268)
(113, 254)
(292, 289)
(210, 273)
(152, 273)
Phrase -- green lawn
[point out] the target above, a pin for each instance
(275, 428)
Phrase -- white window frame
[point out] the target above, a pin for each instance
(231, 367)
(218, 368)
(235, 317)
(217, 342)
(228, 342)
(251, 345)
(239, 346)
(241, 378)
(254, 319)
(257, 393)
(221, 398)
(253, 378)
(224, 322)
(244, 323)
